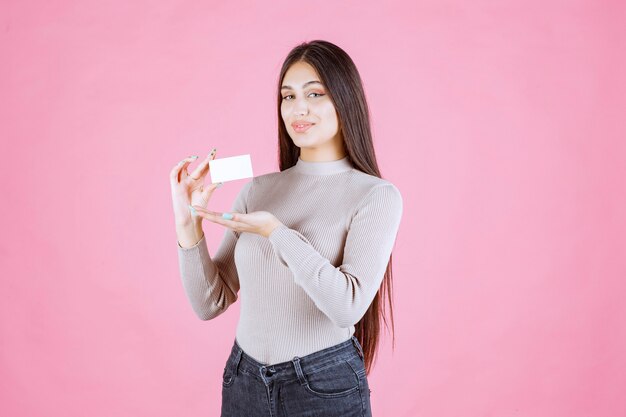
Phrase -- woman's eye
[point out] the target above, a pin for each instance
(318, 94)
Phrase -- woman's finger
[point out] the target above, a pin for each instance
(203, 168)
(182, 165)
(206, 193)
(174, 171)
(231, 215)
(215, 217)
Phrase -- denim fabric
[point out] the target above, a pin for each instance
(330, 382)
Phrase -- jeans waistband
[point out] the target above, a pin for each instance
(239, 361)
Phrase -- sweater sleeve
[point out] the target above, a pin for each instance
(212, 283)
(344, 293)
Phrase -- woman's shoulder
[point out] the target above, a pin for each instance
(266, 179)
(375, 195)
(367, 184)
(369, 179)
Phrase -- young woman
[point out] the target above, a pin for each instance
(308, 250)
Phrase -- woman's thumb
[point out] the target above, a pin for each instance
(206, 193)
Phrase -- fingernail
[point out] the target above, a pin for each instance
(227, 216)
(219, 184)
(193, 210)
(194, 156)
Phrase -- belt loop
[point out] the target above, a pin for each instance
(296, 364)
(356, 343)
(237, 361)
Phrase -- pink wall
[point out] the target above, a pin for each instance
(502, 123)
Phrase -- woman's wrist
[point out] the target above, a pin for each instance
(189, 235)
(271, 228)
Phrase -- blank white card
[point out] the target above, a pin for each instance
(231, 168)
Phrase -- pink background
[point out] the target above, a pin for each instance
(502, 123)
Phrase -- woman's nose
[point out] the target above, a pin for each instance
(300, 107)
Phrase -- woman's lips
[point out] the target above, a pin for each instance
(299, 128)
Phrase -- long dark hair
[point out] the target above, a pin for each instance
(344, 87)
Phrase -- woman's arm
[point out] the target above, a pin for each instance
(344, 293)
(212, 283)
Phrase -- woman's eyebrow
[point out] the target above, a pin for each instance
(305, 84)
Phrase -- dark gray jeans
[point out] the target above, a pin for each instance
(329, 382)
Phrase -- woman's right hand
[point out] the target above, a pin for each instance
(189, 189)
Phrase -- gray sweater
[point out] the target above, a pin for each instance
(304, 287)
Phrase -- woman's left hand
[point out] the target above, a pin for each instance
(259, 222)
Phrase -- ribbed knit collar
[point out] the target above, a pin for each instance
(323, 168)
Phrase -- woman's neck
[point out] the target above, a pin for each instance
(323, 167)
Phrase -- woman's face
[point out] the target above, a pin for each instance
(304, 100)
